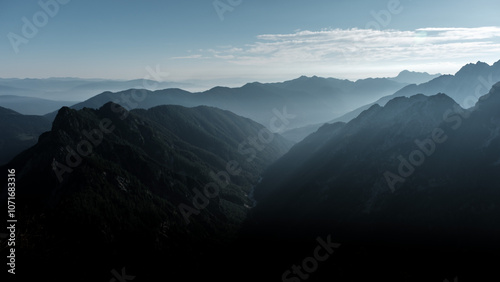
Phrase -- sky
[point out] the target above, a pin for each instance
(237, 41)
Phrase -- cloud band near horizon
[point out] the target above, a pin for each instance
(355, 48)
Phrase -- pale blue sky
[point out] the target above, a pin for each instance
(255, 40)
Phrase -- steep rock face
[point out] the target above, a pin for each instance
(415, 178)
(171, 182)
(380, 127)
(372, 133)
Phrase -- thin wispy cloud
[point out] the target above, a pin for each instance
(197, 56)
(364, 45)
(347, 53)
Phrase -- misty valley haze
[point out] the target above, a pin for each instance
(191, 182)
(235, 140)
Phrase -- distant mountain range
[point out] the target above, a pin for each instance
(465, 87)
(74, 89)
(329, 97)
(308, 99)
(32, 106)
(79, 89)
(412, 77)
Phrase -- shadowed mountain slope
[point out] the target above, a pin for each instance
(412, 185)
(171, 182)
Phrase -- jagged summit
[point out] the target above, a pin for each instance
(473, 69)
(413, 77)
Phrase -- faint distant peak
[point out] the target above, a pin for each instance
(305, 77)
(252, 84)
(413, 77)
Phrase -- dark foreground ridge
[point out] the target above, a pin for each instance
(156, 191)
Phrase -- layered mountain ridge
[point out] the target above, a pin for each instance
(396, 186)
(465, 87)
(309, 99)
(410, 183)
